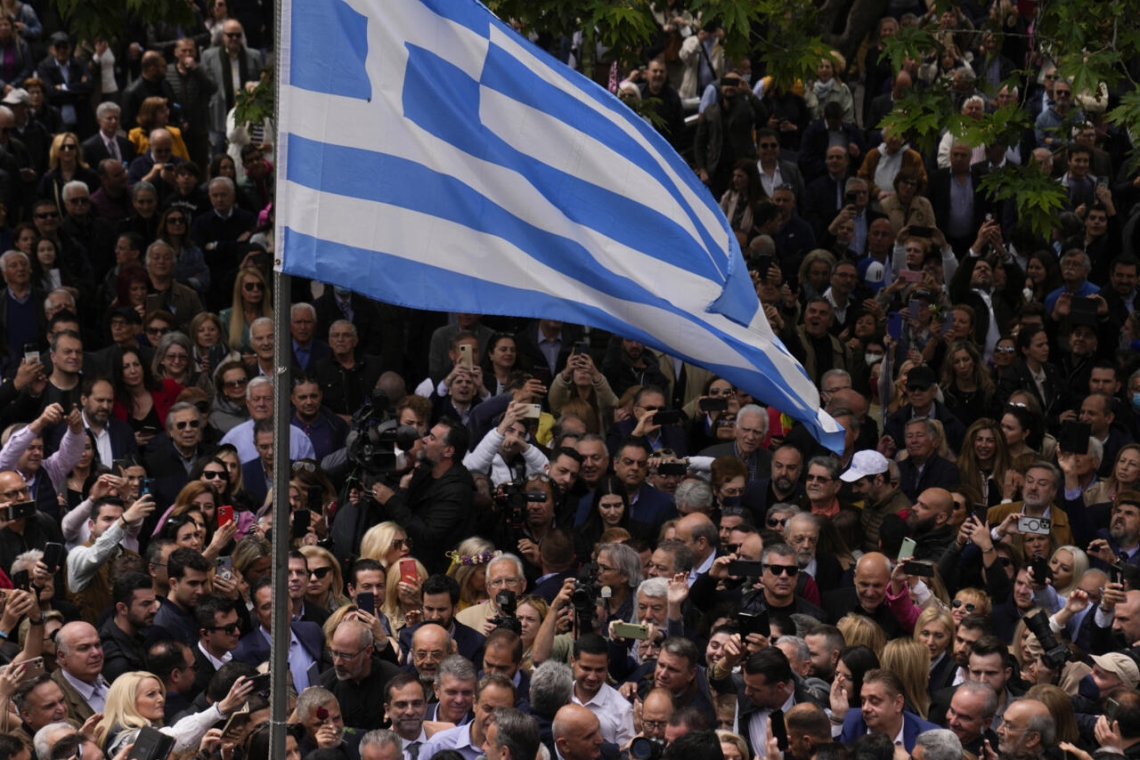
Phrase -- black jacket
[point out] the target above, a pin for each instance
(437, 513)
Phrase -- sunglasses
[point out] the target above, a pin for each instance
(215, 475)
(193, 424)
(47, 215)
(231, 629)
(306, 466)
(249, 287)
(176, 220)
(236, 383)
(402, 543)
(68, 147)
(775, 522)
(957, 603)
(319, 572)
(789, 570)
(1004, 349)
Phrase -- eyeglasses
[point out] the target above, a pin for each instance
(236, 383)
(789, 570)
(344, 655)
(192, 424)
(957, 604)
(654, 725)
(47, 215)
(231, 629)
(319, 572)
(177, 357)
(249, 287)
(233, 35)
(402, 543)
(215, 475)
(306, 466)
(817, 478)
(503, 582)
(157, 330)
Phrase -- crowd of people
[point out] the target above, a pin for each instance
(536, 539)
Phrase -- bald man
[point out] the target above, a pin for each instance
(1027, 728)
(656, 710)
(868, 597)
(79, 653)
(929, 523)
(700, 535)
(577, 733)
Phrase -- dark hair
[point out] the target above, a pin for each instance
(872, 747)
(457, 436)
(695, 745)
(990, 644)
(501, 638)
(517, 732)
(127, 584)
(976, 622)
(184, 559)
(164, 657)
(609, 485)
(363, 564)
(399, 682)
(440, 584)
(209, 606)
(225, 678)
(591, 643)
(859, 660)
(771, 663)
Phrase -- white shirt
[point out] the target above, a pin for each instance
(704, 568)
(758, 723)
(241, 436)
(95, 695)
(214, 660)
(770, 183)
(613, 712)
(102, 440)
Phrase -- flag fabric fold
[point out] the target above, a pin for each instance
(431, 157)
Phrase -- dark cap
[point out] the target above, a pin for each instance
(132, 316)
(60, 38)
(920, 377)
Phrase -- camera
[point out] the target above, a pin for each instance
(584, 599)
(1056, 654)
(377, 442)
(644, 748)
(511, 500)
(508, 604)
(1036, 525)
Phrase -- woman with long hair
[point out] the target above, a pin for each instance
(251, 301)
(703, 430)
(154, 113)
(500, 361)
(144, 211)
(65, 163)
(189, 264)
(1125, 477)
(136, 701)
(131, 288)
(609, 508)
(854, 662)
(209, 350)
(49, 271)
(966, 386)
(1033, 363)
(583, 380)
(907, 206)
(1005, 354)
(531, 611)
(1021, 429)
(1042, 275)
(984, 460)
(403, 602)
(910, 660)
(326, 585)
(744, 194)
(16, 62)
(172, 361)
(229, 409)
(80, 478)
(934, 629)
(815, 274)
(469, 569)
(385, 543)
(729, 478)
(140, 400)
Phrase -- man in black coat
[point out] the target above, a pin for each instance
(68, 84)
(922, 387)
(436, 509)
(955, 194)
(656, 85)
(107, 140)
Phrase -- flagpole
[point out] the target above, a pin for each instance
(282, 297)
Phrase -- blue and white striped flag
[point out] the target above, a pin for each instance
(431, 157)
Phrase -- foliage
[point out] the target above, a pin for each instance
(256, 105)
(107, 19)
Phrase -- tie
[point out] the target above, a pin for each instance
(345, 309)
(414, 750)
(113, 149)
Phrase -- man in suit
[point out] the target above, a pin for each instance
(924, 468)
(171, 455)
(825, 195)
(830, 130)
(648, 404)
(79, 654)
(922, 388)
(107, 142)
(218, 634)
(882, 711)
(221, 64)
(774, 172)
(767, 683)
(68, 84)
(868, 596)
(969, 715)
(440, 603)
(221, 233)
(956, 196)
(306, 640)
(802, 534)
(307, 348)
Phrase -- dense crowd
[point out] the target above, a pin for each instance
(537, 539)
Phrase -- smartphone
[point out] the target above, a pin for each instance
(225, 515)
(366, 600)
(920, 569)
(53, 555)
(1038, 526)
(631, 631)
(851, 198)
(910, 275)
(408, 571)
(779, 729)
(1041, 570)
(917, 230)
(466, 356)
(261, 683)
(1074, 438)
(22, 580)
(224, 566)
(153, 303)
(668, 417)
(302, 518)
(235, 715)
(989, 217)
(1111, 709)
(316, 499)
(146, 487)
(894, 325)
(906, 551)
(948, 324)
(31, 353)
(981, 513)
(754, 624)
(533, 412)
(314, 674)
(710, 404)
(1102, 181)
(913, 308)
(582, 347)
(33, 669)
(741, 568)
(672, 468)
(65, 401)
(21, 509)
(1116, 573)
(151, 744)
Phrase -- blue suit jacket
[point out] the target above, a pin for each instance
(254, 649)
(253, 480)
(854, 727)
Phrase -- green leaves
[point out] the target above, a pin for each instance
(106, 19)
(1038, 197)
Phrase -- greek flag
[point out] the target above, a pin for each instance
(431, 157)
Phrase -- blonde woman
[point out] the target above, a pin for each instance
(326, 585)
(403, 602)
(251, 301)
(934, 629)
(386, 543)
(910, 661)
(860, 630)
(469, 569)
(136, 700)
(969, 601)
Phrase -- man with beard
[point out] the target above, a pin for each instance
(802, 533)
(875, 478)
(437, 507)
(440, 603)
(563, 469)
(123, 634)
(358, 676)
(929, 523)
(1120, 542)
(724, 134)
(782, 486)
(1042, 482)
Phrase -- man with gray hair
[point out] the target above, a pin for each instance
(551, 685)
(802, 534)
(307, 348)
(700, 534)
(358, 675)
(171, 458)
(504, 573)
(221, 233)
(969, 716)
(259, 401)
(346, 376)
(180, 300)
(693, 496)
(381, 744)
(157, 164)
(1027, 727)
(937, 744)
(751, 431)
(669, 558)
(511, 735)
(95, 234)
(21, 320)
(107, 142)
(50, 735)
(454, 688)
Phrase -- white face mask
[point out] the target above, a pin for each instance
(870, 359)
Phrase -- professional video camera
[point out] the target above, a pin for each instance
(511, 500)
(508, 605)
(377, 442)
(644, 748)
(584, 598)
(1056, 654)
